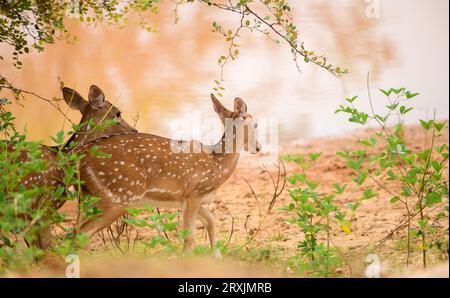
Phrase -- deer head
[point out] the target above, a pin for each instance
(240, 127)
(99, 110)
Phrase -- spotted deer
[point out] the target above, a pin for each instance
(146, 169)
(98, 109)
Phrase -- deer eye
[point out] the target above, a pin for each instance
(118, 114)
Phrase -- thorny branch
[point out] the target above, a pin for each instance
(279, 185)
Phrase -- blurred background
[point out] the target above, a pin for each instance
(157, 77)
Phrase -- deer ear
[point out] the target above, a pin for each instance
(217, 104)
(73, 99)
(240, 107)
(222, 111)
(96, 97)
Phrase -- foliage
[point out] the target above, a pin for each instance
(27, 25)
(28, 210)
(314, 213)
(416, 179)
(17, 219)
(164, 223)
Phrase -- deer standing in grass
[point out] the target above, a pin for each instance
(97, 109)
(146, 169)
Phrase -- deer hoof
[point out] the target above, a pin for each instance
(217, 255)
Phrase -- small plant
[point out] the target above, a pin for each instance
(416, 179)
(19, 222)
(29, 203)
(314, 212)
(166, 225)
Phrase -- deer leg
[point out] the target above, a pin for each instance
(208, 219)
(94, 225)
(44, 237)
(190, 210)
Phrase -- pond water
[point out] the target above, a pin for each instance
(157, 77)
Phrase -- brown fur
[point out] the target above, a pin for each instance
(97, 109)
(148, 169)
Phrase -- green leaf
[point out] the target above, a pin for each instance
(391, 175)
(354, 206)
(361, 177)
(382, 119)
(345, 154)
(387, 93)
(441, 148)
(312, 184)
(298, 159)
(438, 126)
(355, 164)
(424, 155)
(370, 143)
(404, 110)
(393, 106)
(364, 118)
(351, 100)
(94, 151)
(426, 124)
(410, 95)
(369, 193)
(406, 191)
(437, 166)
(397, 91)
(433, 198)
(295, 178)
(339, 189)
(291, 207)
(394, 200)
(400, 149)
(314, 156)
(59, 139)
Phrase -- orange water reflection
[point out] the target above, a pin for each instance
(170, 73)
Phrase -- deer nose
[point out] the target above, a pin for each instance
(258, 147)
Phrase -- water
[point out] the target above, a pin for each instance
(169, 74)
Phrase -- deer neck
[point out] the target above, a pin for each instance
(227, 152)
(86, 136)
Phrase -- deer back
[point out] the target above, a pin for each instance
(143, 168)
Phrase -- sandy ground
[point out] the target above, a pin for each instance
(139, 267)
(238, 214)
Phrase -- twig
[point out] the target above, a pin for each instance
(17, 91)
(231, 232)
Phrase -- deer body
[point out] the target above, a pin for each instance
(145, 170)
(148, 170)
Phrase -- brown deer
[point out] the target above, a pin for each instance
(146, 169)
(97, 109)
